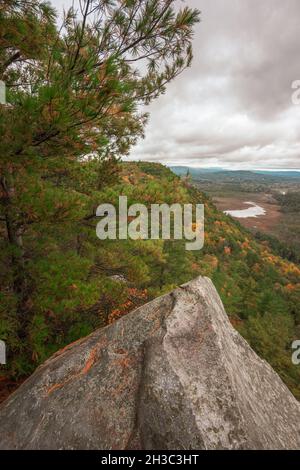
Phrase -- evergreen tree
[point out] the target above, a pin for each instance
(74, 93)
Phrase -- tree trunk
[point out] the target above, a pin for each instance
(14, 238)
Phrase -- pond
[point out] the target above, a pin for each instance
(253, 211)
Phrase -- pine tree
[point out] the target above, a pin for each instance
(74, 100)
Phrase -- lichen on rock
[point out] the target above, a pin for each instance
(173, 374)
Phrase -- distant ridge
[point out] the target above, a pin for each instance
(183, 170)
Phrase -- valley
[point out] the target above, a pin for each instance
(266, 221)
(276, 193)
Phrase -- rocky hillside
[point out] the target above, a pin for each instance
(79, 283)
(173, 374)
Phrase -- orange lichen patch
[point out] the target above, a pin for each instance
(55, 387)
(124, 361)
(92, 359)
(120, 351)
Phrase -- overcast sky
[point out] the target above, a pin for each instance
(233, 107)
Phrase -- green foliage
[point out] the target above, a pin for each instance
(271, 335)
(77, 94)
(80, 283)
(74, 96)
(290, 202)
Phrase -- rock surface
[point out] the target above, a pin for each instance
(174, 374)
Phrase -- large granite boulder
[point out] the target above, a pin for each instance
(173, 374)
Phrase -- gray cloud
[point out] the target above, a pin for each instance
(233, 107)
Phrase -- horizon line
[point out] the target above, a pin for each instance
(233, 169)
